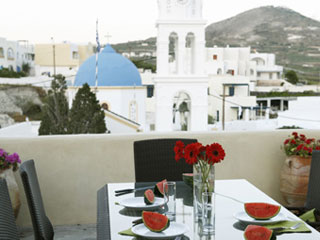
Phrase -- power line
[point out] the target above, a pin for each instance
(300, 119)
(220, 98)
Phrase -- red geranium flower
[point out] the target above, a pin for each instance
(178, 149)
(299, 147)
(308, 141)
(293, 141)
(215, 153)
(286, 141)
(317, 147)
(191, 152)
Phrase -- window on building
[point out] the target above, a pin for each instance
(218, 117)
(150, 89)
(231, 72)
(1, 52)
(133, 111)
(219, 72)
(270, 75)
(251, 72)
(215, 57)
(105, 106)
(75, 55)
(231, 91)
(10, 54)
(258, 74)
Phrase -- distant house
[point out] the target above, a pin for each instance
(63, 58)
(13, 54)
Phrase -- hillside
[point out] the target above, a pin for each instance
(294, 38)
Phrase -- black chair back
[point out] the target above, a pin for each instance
(154, 160)
(313, 194)
(42, 226)
(8, 227)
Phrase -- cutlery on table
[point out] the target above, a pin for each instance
(130, 190)
(286, 228)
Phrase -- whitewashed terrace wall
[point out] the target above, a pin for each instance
(72, 168)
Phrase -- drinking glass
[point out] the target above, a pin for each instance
(208, 212)
(170, 199)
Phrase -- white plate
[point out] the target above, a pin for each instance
(244, 217)
(139, 204)
(175, 229)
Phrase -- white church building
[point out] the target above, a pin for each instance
(191, 83)
(118, 88)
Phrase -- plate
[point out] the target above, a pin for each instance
(244, 217)
(139, 204)
(175, 229)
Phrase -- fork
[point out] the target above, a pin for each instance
(287, 228)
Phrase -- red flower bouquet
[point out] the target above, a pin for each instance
(299, 144)
(202, 157)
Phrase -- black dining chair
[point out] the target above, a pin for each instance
(8, 227)
(313, 194)
(154, 160)
(103, 220)
(42, 226)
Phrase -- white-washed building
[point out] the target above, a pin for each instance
(13, 54)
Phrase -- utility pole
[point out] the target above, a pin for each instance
(54, 58)
(223, 106)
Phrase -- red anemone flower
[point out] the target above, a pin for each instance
(215, 153)
(178, 149)
(192, 152)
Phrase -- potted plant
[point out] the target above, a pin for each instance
(295, 171)
(8, 165)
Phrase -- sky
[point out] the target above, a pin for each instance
(125, 20)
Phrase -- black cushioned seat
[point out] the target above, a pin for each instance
(8, 227)
(154, 160)
(42, 226)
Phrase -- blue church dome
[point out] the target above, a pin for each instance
(113, 70)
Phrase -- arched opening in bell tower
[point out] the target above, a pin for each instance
(181, 111)
(190, 53)
(173, 52)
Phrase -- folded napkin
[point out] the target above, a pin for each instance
(301, 229)
(309, 216)
(127, 232)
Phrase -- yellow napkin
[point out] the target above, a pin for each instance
(308, 216)
(127, 232)
(301, 229)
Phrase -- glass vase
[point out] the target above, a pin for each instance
(203, 181)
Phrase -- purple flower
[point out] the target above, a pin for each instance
(13, 158)
(2, 152)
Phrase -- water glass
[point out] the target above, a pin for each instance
(170, 199)
(208, 212)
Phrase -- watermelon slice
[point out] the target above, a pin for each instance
(254, 232)
(261, 211)
(158, 189)
(148, 197)
(188, 179)
(155, 222)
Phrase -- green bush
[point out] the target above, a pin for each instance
(7, 73)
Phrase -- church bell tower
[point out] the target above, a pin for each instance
(181, 83)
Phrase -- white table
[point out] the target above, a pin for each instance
(229, 193)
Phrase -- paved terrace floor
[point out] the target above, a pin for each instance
(70, 232)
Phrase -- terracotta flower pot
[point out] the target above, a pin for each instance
(294, 180)
(13, 189)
